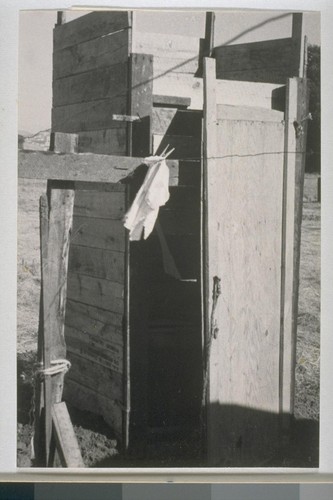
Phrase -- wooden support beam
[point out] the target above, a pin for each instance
(54, 299)
(287, 256)
(66, 442)
(42, 388)
(209, 34)
(209, 162)
(82, 167)
(298, 44)
(61, 17)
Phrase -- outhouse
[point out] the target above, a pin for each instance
(191, 331)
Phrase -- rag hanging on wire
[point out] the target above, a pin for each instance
(154, 192)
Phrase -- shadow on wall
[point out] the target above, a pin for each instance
(244, 437)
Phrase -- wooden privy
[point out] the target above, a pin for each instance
(192, 331)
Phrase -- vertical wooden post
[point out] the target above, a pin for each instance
(141, 104)
(209, 34)
(40, 387)
(61, 203)
(210, 146)
(61, 17)
(298, 44)
(287, 341)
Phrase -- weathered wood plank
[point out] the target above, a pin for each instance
(102, 205)
(54, 299)
(227, 92)
(67, 445)
(167, 64)
(42, 389)
(172, 121)
(303, 94)
(86, 116)
(78, 167)
(106, 234)
(175, 46)
(140, 104)
(89, 27)
(97, 351)
(102, 83)
(287, 332)
(249, 113)
(86, 399)
(96, 292)
(267, 61)
(87, 56)
(104, 381)
(97, 263)
(94, 320)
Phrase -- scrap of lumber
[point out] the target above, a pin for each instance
(66, 442)
(82, 167)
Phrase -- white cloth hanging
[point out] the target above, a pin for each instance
(154, 192)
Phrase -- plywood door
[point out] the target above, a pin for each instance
(247, 212)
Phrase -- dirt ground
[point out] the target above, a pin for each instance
(97, 443)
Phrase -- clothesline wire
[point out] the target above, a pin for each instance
(245, 155)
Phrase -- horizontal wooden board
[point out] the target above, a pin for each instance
(102, 83)
(84, 398)
(95, 321)
(97, 263)
(108, 142)
(103, 380)
(249, 113)
(86, 116)
(185, 146)
(98, 233)
(89, 27)
(87, 56)
(164, 65)
(96, 292)
(172, 121)
(94, 349)
(269, 61)
(174, 46)
(227, 92)
(82, 167)
(99, 204)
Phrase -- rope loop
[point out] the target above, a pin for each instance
(57, 366)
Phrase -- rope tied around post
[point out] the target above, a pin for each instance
(57, 366)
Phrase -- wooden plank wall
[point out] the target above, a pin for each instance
(90, 80)
(270, 61)
(244, 181)
(95, 302)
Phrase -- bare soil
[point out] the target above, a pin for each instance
(98, 444)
